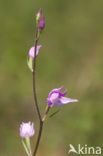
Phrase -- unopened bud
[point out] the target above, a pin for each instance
(41, 25)
(38, 16)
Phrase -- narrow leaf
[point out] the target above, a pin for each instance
(54, 113)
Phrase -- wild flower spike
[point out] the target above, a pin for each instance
(38, 16)
(27, 129)
(57, 98)
(41, 25)
(32, 50)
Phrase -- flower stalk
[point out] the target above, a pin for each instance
(55, 98)
(46, 112)
(35, 96)
(39, 28)
(33, 75)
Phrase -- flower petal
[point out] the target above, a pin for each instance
(31, 51)
(65, 100)
(49, 102)
(63, 93)
(27, 129)
(56, 90)
(58, 103)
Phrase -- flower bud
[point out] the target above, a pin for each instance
(31, 56)
(27, 129)
(38, 16)
(32, 50)
(41, 25)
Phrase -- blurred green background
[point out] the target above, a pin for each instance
(71, 55)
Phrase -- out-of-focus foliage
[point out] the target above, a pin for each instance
(71, 55)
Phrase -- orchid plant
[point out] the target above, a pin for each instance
(55, 98)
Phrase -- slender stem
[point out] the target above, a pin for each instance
(40, 129)
(38, 139)
(35, 96)
(33, 74)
